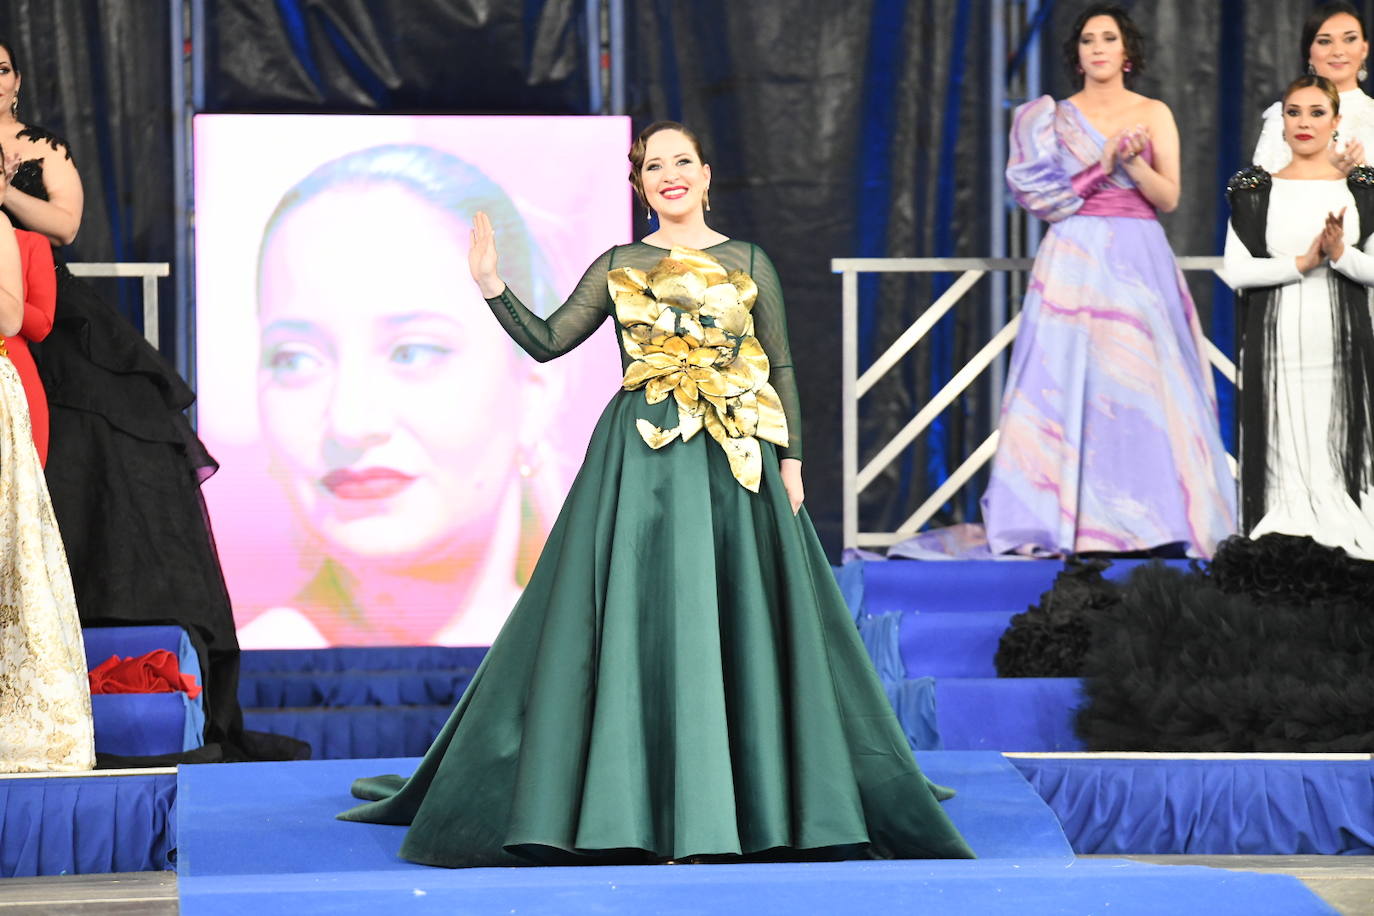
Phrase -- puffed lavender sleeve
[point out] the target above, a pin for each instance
(1035, 173)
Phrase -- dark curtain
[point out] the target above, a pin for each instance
(836, 130)
(96, 73)
(487, 56)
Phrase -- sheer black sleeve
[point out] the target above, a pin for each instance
(770, 327)
(569, 325)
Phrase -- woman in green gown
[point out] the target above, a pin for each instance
(681, 678)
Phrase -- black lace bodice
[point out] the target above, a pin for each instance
(29, 177)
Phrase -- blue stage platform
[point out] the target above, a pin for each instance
(261, 838)
(383, 700)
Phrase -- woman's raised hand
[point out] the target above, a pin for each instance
(482, 257)
(1347, 158)
(1333, 235)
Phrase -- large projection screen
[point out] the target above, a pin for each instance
(390, 461)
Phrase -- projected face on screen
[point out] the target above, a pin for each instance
(378, 363)
(415, 457)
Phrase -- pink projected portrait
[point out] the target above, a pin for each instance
(408, 459)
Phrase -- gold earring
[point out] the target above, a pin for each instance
(14, 104)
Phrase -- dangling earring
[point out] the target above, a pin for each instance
(14, 105)
(1335, 135)
(1127, 68)
(1311, 70)
(528, 461)
(1363, 74)
(706, 199)
(648, 213)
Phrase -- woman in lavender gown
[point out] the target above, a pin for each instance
(1108, 434)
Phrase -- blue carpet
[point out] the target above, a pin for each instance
(262, 838)
(273, 818)
(1037, 888)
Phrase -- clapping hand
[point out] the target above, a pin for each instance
(482, 257)
(1312, 257)
(1333, 235)
(1348, 158)
(1124, 146)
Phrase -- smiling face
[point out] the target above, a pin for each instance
(1338, 51)
(1101, 49)
(378, 361)
(673, 176)
(9, 80)
(1308, 121)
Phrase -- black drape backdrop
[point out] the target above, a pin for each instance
(855, 129)
(850, 129)
(96, 73)
(490, 56)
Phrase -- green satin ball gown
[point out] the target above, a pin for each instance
(681, 676)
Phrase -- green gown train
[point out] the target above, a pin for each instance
(681, 676)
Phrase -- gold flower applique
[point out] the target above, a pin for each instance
(687, 326)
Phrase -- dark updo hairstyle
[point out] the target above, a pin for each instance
(1130, 37)
(637, 152)
(1310, 81)
(1314, 22)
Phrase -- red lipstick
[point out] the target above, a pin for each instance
(367, 483)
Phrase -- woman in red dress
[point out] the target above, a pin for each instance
(40, 302)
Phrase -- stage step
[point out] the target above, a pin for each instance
(951, 643)
(932, 629)
(354, 731)
(281, 690)
(347, 659)
(981, 714)
(955, 585)
(356, 702)
(1007, 714)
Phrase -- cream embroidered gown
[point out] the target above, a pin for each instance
(45, 701)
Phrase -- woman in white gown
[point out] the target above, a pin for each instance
(1333, 45)
(1296, 250)
(45, 701)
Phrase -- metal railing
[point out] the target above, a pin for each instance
(148, 270)
(854, 384)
